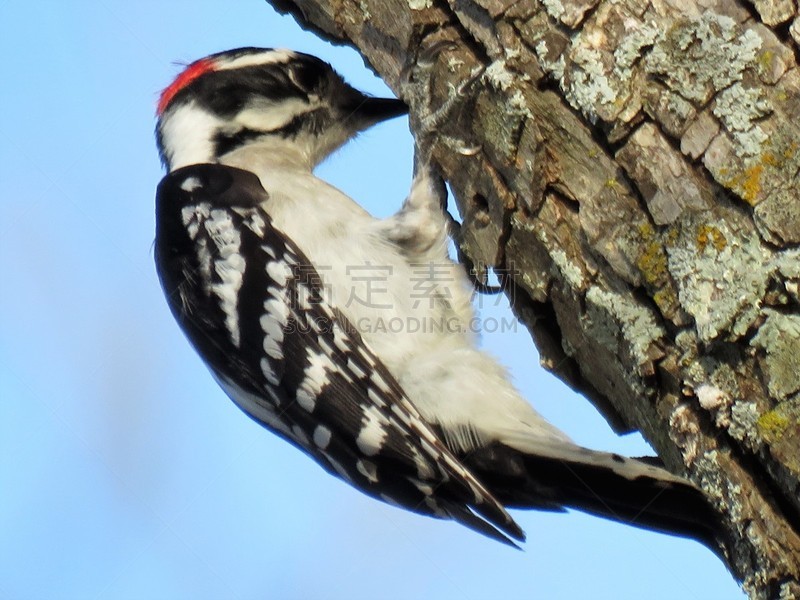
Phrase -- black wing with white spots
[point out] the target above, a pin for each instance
(252, 305)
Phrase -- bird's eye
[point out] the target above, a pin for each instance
(305, 76)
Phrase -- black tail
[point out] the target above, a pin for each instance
(627, 490)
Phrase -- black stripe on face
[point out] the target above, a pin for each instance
(228, 142)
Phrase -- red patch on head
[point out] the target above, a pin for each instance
(192, 72)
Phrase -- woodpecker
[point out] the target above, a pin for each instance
(271, 273)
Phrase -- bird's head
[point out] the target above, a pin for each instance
(287, 103)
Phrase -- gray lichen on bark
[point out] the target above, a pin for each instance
(637, 169)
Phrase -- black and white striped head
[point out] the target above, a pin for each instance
(291, 102)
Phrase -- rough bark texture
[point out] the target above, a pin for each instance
(635, 166)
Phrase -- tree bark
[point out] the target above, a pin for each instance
(634, 168)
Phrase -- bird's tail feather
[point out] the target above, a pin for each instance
(623, 489)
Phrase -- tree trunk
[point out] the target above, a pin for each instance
(634, 168)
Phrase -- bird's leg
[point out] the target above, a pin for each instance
(420, 227)
(426, 129)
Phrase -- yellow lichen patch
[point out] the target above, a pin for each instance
(765, 59)
(772, 424)
(747, 184)
(780, 429)
(751, 184)
(708, 234)
(665, 299)
(652, 263)
(768, 158)
(671, 237)
(646, 231)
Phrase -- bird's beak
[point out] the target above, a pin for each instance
(370, 111)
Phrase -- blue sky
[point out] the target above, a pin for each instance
(124, 471)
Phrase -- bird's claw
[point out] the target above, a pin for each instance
(427, 127)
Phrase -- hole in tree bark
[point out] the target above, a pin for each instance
(480, 210)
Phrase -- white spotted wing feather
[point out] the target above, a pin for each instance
(254, 308)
